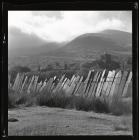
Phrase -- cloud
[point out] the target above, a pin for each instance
(16, 39)
(56, 14)
(64, 25)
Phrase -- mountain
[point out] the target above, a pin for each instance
(90, 45)
(22, 44)
(122, 38)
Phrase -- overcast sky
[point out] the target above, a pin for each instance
(65, 25)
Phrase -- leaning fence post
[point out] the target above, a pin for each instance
(116, 83)
(15, 82)
(123, 82)
(127, 83)
(90, 94)
(100, 84)
(110, 82)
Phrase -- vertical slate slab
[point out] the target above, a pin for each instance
(30, 86)
(129, 90)
(86, 81)
(24, 83)
(80, 89)
(105, 85)
(16, 81)
(81, 93)
(116, 84)
(73, 87)
(19, 82)
(65, 87)
(70, 85)
(72, 79)
(90, 82)
(62, 84)
(42, 87)
(38, 86)
(59, 84)
(110, 82)
(48, 85)
(127, 83)
(93, 84)
(27, 84)
(122, 84)
(78, 85)
(35, 84)
(100, 84)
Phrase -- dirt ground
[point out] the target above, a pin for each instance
(43, 121)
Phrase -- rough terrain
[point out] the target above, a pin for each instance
(56, 121)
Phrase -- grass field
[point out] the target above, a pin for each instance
(56, 121)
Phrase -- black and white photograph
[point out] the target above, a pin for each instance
(70, 72)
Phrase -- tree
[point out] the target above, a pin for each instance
(49, 67)
(106, 62)
(86, 65)
(129, 61)
(57, 64)
(65, 66)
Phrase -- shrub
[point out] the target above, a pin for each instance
(101, 105)
(114, 105)
(84, 104)
(120, 106)
(77, 102)
(58, 100)
(15, 99)
(12, 96)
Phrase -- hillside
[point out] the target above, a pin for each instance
(93, 44)
(21, 44)
(33, 51)
(88, 45)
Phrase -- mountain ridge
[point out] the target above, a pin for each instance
(91, 43)
(85, 45)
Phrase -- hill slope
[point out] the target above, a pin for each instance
(93, 44)
(22, 44)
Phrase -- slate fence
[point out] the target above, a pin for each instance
(97, 84)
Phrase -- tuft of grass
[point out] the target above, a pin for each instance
(101, 105)
(120, 106)
(76, 102)
(114, 105)
(12, 97)
(15, 99)
(80, 103)
(58, 100)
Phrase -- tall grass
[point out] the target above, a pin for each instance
(120, 106)
(16, 98)
(115, 106)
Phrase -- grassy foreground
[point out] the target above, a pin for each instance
(43, 114)
(43, 121)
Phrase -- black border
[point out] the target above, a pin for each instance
(77, 5)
